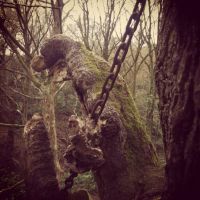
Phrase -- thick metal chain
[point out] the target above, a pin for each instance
(118, 59)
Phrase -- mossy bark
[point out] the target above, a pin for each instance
(128, 151)
(178, 85)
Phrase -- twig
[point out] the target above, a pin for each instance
(12, 126)
(25, 95)
(13, 71)
(60, 88)
(9, 189)
(41, 1)
(9, 35)
(12, 5)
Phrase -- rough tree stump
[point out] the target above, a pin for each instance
(41, 179)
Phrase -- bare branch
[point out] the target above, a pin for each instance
(5, 191)
(8, 34)
(10, 126)
(68, 12)
(12, 5)
(9, 97)
(60, 88)
(13, 71)
(25, 95)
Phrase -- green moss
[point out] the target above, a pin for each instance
(138, 147)
(84, 181)
(139, 150)
(98, 66)
(95, 64)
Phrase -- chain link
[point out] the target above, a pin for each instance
(118, 59)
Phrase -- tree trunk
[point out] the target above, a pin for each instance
(151, 104)
(41, 179)
(57, 16)
(178, 85)
(134, 82)
(130, 158)
(48, 110)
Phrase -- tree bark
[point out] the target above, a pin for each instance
(41, 179)
(129, 155)
(57, 16)
(50, 92)
(178, 85)
(48, 111)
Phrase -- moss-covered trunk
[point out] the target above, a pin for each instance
(129, 155)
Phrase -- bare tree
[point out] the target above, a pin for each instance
(141, 56)
(96, 29)
(84, 26)
(57, 16)
(134, 62)
(148, 37)
(107, 26)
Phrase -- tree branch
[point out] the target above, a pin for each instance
(13, 71)
(60, 88)
(25, 95)
(8, 34)
(10, 126)
(12, 5)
